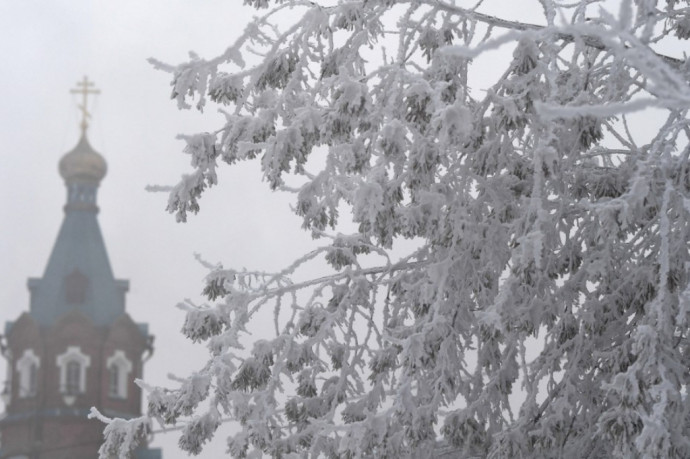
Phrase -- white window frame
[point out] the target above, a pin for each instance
(23, 367)
(124, 367)
(73, 354)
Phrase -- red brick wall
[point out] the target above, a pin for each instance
(57, 432)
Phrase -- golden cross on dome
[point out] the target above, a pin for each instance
(85, 87)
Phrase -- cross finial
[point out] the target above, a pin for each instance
(85, 87)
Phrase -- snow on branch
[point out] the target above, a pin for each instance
(543, 309)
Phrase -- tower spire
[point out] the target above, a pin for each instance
(85, 87)
(78, 265)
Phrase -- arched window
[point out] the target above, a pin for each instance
(73, 364)
(114, 381)
(76, 285)
(119, 368)
(72, 386)
(27, 367)
(33, 378)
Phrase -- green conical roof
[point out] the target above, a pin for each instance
(78, 275)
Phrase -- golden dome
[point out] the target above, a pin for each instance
(83, 164)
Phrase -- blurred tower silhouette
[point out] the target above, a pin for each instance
(76, 347)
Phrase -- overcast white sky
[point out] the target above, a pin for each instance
(46, 47)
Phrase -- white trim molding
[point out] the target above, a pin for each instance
(73, 354)
(27, 367)
(122, 366)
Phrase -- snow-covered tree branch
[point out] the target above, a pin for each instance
(544, 312)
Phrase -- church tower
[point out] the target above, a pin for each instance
(76, 347)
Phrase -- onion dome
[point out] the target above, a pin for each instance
(83, 164)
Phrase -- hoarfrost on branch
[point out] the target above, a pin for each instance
(539, 217)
